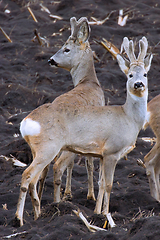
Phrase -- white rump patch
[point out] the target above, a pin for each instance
(28, 127)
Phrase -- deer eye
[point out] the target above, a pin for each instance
(145, 75)
(67, 50)
(131, 75)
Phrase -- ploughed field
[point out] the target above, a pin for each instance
(27, 81)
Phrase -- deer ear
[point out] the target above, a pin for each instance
(73, 22)
(83, 32)
(147, 62)
(124, 64)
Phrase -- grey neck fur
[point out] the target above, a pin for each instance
(85, 68)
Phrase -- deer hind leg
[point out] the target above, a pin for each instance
(34, 197)
(90, 168)
(66, 159)
(157, 173)
(99, 201)
(42, 181)
(68, 191)
(152, 162)
(20, 205)
(30, 176)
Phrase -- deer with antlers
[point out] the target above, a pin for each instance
(108, 132)
(75, 56)
(152, 162)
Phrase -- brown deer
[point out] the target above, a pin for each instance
(108, 132)
(75, 56)
(152, 159)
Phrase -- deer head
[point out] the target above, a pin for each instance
(135, 68)
(71, 54)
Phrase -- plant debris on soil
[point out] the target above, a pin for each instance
(27, 81)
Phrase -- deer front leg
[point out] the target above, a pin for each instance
(90, 168)
(58, 168)
(157, 172)
(109, 164)
(152, 171)
(98, 207)
(154, 189)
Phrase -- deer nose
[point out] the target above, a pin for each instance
(52, 62)
(138, 85)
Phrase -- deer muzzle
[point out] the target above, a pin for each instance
(138, 85)
(52, 62)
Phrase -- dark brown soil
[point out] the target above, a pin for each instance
(27, 81)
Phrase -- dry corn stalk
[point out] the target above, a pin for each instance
(100, 22)
(122, 20)
(110, 221)
(42, 41)
(14, 235)
(91, 228)
(141, 163)
(32, 14)
(111, 48)
(44, 9)
(148, 139)
(14, 161)
(142, 214)
(4, 206)
(94, 228)
(5, 34)
(56, 17)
